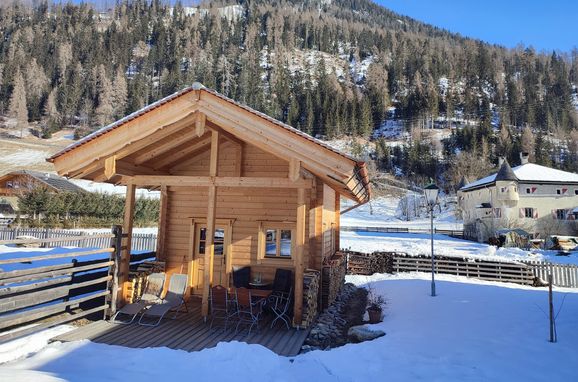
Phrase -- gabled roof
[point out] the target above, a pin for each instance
(526, 173)
(53, 181)
(175, 116)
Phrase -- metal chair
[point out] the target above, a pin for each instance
(280, 300)
(248, 311)
(222, 308)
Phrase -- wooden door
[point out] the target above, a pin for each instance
(220, 258)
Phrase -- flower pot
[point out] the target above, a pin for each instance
(374, 315)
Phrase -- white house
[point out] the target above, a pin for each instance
(537, 199)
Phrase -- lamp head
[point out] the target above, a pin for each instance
(431, 192)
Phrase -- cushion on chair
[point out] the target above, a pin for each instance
(241, 277)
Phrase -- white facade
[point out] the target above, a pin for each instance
(539, 200)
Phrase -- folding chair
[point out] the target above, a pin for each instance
(151, 295)
(173, 299)
(279, 302)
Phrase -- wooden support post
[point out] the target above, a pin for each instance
(211, 218)
(126, 243)
(110, 167)
(294, 170)
(239, 160)
(116, 243)
(200, 124)
(299, 248)
(162, 223)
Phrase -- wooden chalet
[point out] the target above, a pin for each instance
(13, 183)
(238, 188)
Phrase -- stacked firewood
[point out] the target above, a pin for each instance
(334, 270)
(310, 294)
(137, 278)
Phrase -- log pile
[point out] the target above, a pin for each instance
(310, 295)
(334, 270)
(370, 263)
(137, 278)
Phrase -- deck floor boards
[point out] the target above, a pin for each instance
(189, 332)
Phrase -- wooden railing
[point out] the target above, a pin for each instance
(448, 232)
(71, 283)
(80, 239)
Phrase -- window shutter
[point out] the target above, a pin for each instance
(522, 212)
(564, 191)
(533, 189)
(554, 214)
(535, 213)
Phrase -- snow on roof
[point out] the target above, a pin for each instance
(530, 172)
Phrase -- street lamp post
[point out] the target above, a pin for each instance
(431, 195)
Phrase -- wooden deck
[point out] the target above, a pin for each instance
(187, 332)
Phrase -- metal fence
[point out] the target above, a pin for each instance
(140, 241)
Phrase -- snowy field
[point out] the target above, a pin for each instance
(420, 244)
(472, 331)
(383, 212)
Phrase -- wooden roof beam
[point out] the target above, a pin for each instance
(246, 131)
(219, 181)
(127, 139)
(182, 152)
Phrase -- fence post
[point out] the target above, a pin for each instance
(551, 306)
(116, 243)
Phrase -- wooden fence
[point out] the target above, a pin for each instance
(563, 275)
(69, 285)
(140, 241)
(448, 232)
(520, 272)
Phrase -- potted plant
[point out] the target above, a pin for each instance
(375, 304)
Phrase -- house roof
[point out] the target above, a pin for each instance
(349, 170)
(505, 172)
(51, 180)
(526, 173)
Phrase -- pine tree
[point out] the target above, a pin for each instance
(120, 94)
(527, 142)
(18, 108)
(105, 98)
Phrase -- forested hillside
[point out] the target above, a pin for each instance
(328, 67)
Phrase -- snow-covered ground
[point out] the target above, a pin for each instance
(383, 212)
(472, 331)
(420, 244)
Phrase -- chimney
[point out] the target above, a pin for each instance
(524, 158)
(501, 161)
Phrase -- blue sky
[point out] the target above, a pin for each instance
(546, 24)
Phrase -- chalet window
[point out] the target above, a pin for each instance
(558, 191)
(277, 241)
(576, 192)
(529, 213)
(219, 241)
(528, 190)
(503, 189)
(561, 214)
(561, 191)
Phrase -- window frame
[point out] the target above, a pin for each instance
(262, 241)
(561, 214)
(531, 209)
